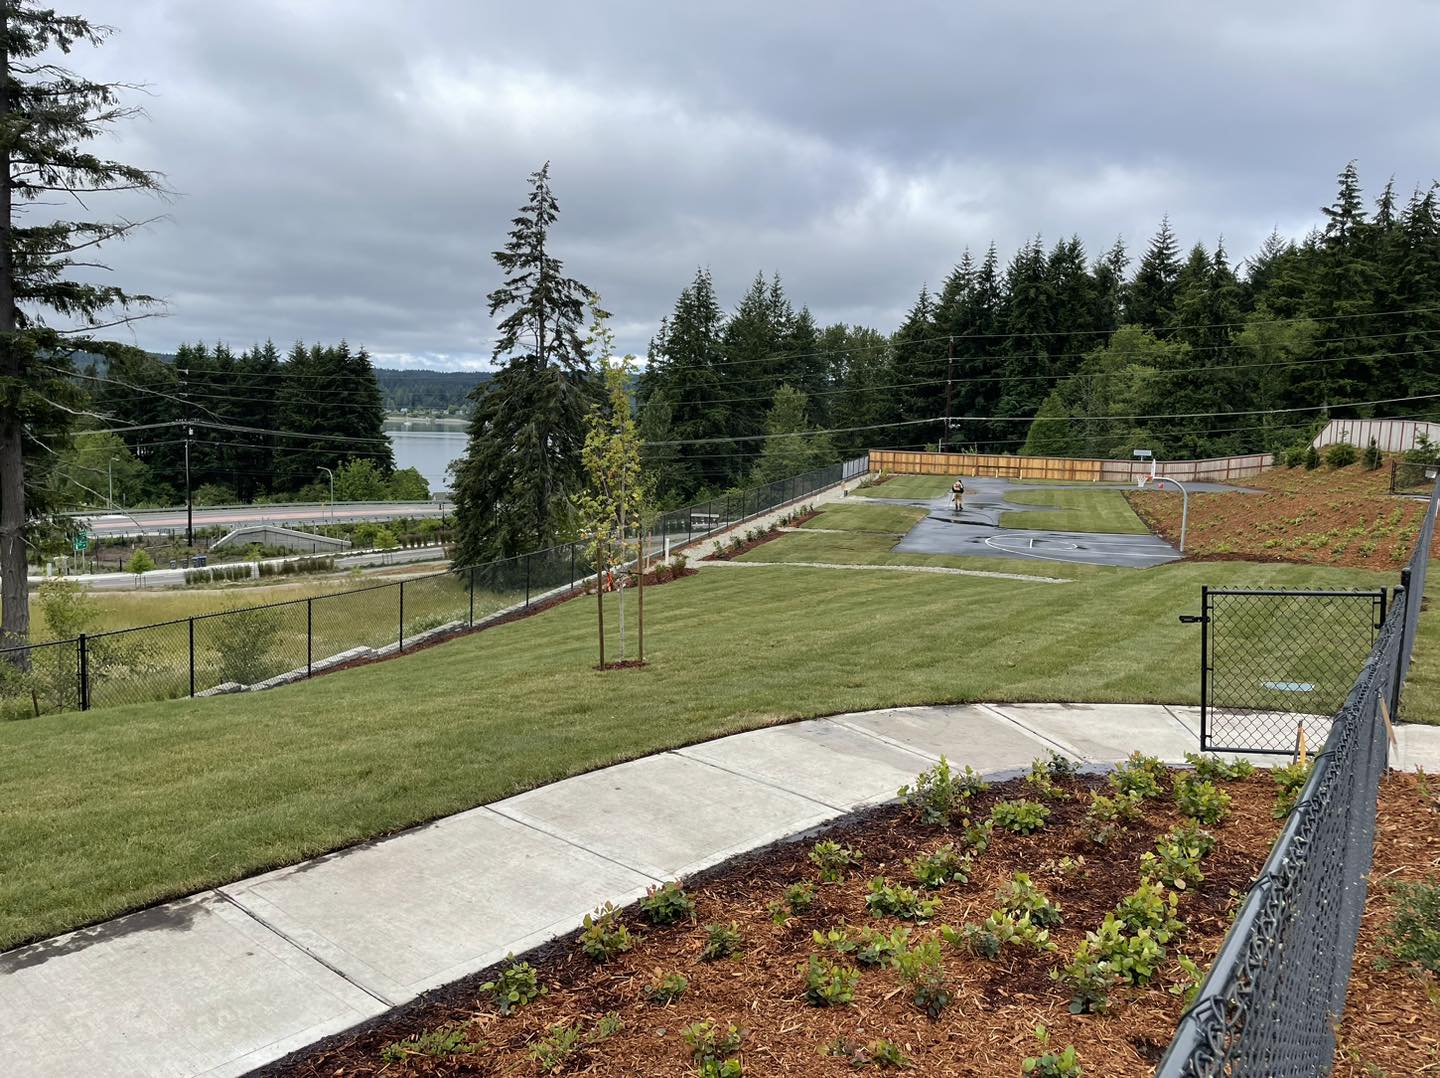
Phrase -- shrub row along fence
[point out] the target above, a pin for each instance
(1275, 994)
(260, 647)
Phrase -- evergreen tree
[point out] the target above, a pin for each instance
(790, 447)
(1151, 298)
(1111, 287)
(1027, 322)
(753, 340)
(921, 366)
(48, 118)
(522, 464)
(865, 399)
(978, 360)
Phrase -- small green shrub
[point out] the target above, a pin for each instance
(798, 899)
(1048, 1064)
(1133, 955)
(880, 1054)
(1291, 779)
(938, 793)
(1152, 908)
(1200, 799)
(875, 947)
(1413, 935)
(719, 1068)
(1191, 835)
(452, 1039)
(1139, 775)
(140, 562)
(895, 900)
(708, 1042)
(1187, 980)
(922, 968)
(1341, 455)
(941, 866)
(998, 931)
(666, 988)
(517, 985)
(603, 935)
(667, 904)
(1312, 458)
(1021, 817)
(1173, 863)
(1217, 770)
(562, 1042)
(1106, 817)
(828, 985)
(1019, 897)
(834, 860)
(1089, 979)
(1045, 773)
(721, 941)
(837, 938)
(1373, 457)
(976, 836)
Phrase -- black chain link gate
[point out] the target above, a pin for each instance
(1275, 660)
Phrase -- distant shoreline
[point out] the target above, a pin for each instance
(423, 424)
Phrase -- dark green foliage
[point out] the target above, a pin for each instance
(1291, 780)
(1341, 455)
(721, 941)
(564, 1042)
(1373, 457)
(522, 465)
(942, 865)
(666, 904)
(1107, 816)
(939, 793)
(448, 1040)
(1413, 935)
(1312, 458)
(834, 859)
(708, 1042)
(1089, 979)
(1138, 775)
(1021, 817)
(1048, 1064)
(1217, 770)
(1200, 799)
(828, 985)
(885, 899)
(922, 968)
(1019, 897)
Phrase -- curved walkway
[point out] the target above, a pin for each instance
(231, 979)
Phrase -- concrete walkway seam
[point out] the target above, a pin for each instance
(1048, 740)
(533, 826)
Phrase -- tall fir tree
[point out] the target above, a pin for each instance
(522, 464)
(1150, 301)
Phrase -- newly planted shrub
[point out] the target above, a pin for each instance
(554, 1050)
(1089, 979)
(1173, 863)
(938, 793)
(666, 904)
(1192, 836)
(1413, 936)
(828, 985)
(997, 931)
(451, 1039)
(708, 1042)
(976, 836)
(834, 860)
(604, 935)
(941, 866)
(517, 985)
(719, 1068)
(799, 897)
(1048, 1064)
(837, 938)
(666, 988)
(895, 900)
(1152, 908)
(880, 1054)
(922, 968)
(1200, 799)
(1045, 773)
(1019, 897)
(875, 947)
(721, 941)
(1139, 775)
(1373, 457)
(1217, 770)
(1188, 979)
(1132, 954)
(1291, 779)
(1021, 817)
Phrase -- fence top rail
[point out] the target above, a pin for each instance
(1308, 593)
(9, 649)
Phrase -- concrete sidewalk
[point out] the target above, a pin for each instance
(225, 981)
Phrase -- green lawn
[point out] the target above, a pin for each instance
(1075, 510)
(867, 517)
(909, 486)
(1421, 699)
(120, 807)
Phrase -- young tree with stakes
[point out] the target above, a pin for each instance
(48, 117)
(618, 490)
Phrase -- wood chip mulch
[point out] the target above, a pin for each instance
(987, 1029)
(730, 553)
(1392, 1016)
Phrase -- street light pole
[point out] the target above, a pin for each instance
(189, 500)
(110, 478)
(331, 474)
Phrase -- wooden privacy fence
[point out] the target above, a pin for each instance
(1065, 469)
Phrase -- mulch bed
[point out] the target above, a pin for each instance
(653, 579)
(986, 1030)
(1392, 1017)
(731, 553)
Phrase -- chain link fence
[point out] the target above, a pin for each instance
(1275, 994)
(1412, 477)
(260, 647)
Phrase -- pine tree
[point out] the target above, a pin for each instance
(522, 464)
(1151, 299)
(921, 366)
(753, 340)
(790, 446)
(48, 117)
(1027, 321)
(865, 401)
(978, 359)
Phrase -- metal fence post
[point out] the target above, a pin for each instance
(84, 671)
(472, 596)
(401, 645)
(309, 637)
(1402, 602)
(192, 656)
(1204, 667)
(572, 566)
(527, 580)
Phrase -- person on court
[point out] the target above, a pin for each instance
(957, 491)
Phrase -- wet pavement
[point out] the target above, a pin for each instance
(976, 532)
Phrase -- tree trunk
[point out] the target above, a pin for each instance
(14, 595)
(600, 608)
(640, 605)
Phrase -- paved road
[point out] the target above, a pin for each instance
(976, 532)
(151, 521)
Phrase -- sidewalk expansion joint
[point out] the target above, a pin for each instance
(1178, 721)
(928, 757)
(1061, 746)
(757, 780)
(571, 842)
(273, 930)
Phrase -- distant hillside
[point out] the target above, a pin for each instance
(441, 392)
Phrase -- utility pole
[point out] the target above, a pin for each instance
(110, 479)
(189, 501)
(331, 474)
(949, 378)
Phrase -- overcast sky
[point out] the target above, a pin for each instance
(345, 167)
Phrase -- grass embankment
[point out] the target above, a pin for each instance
(112, 809)
(1075, 510)
(909, 486)
(1328, 516)
(866, 517)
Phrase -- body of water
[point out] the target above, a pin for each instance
(429, 452)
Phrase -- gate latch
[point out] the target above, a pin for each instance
(1191, 619)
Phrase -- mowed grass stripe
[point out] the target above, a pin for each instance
(114, 809)
(1104, 511)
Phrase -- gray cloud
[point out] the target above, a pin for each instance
(346, 168)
